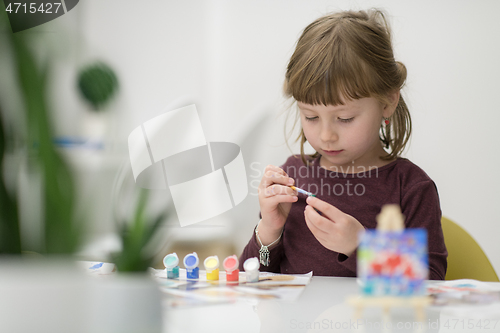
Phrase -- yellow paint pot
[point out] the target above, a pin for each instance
(212, 268)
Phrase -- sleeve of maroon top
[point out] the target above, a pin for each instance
(349, 262)
(420, 206)
(252, 250)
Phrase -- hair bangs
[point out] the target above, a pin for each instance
(330, 76)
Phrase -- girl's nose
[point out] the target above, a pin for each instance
(328, 134)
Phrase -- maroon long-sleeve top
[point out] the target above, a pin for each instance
(361, 195)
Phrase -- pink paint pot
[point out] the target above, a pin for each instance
(231, 266)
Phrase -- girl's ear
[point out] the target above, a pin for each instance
(393, 100)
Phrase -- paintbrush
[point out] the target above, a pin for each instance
(302, 191)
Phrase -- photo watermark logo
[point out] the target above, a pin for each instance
(363, 325)
(336, 181)
(204, 179)
(31, 13)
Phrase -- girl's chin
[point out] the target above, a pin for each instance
(334, 162)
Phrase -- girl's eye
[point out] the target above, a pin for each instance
(348, 120)
(311, 118)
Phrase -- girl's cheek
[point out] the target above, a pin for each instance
(307, 134)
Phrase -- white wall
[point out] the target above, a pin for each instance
(230, 57)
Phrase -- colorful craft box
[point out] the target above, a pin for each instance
(393, 263)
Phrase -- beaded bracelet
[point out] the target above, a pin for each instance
(264, 249)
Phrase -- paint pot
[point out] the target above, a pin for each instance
(191, 263)
(231, 266)
(171, 262)
(251, 267)
(212, 267)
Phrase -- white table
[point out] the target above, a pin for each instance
(321, 307)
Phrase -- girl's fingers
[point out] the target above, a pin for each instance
(278, 190)
(320, 224)
(272, 170)
(277, 199)
(317, 232)
(332, 212)
(272, 177)
(275, 175)
(275, 168)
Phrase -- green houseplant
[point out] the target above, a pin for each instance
(29, 281)
(97, 84)
(135, 236)
(62, 229)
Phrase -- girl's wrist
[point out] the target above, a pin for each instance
(349, 253)
(264, 251)
(267, 234)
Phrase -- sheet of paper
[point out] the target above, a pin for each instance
(270, 286)
(466, 299)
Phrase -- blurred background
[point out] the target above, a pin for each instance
(229, 58)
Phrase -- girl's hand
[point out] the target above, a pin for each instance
(275, 199)
(334, 229)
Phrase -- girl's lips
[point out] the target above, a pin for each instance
(333, 152)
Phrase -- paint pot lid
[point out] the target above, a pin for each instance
(171, 260)
(211, 263)
(191, 260)
(251, 264)
(231, 263)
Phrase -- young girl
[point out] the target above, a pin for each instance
(346, 85)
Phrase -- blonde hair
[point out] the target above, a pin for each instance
(349, 55)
